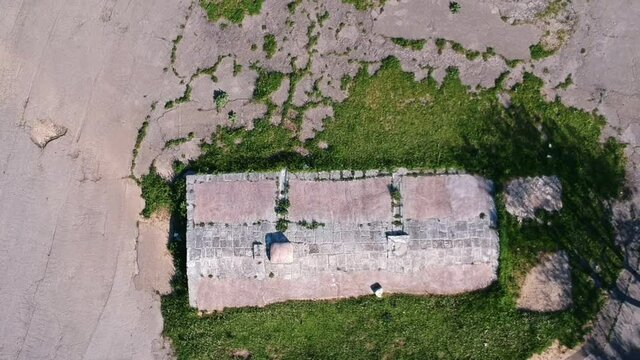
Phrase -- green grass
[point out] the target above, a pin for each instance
(233, 10)
(390, 121)
(178, 141)
(410, 43)
(267, 83)
(538, 51)
(364, 4)
(269, 45)
(158, 194)
(564, 85)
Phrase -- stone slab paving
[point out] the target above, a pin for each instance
(351, 202)
(332, 258)
(456, 197)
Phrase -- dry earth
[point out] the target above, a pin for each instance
(69, 212)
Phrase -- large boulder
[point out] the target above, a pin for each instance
(524, 196)
(547, 287)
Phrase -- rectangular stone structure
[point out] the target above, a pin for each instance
(441, 246)
(349, 202)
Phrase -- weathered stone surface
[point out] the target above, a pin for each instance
(349, 202)
(524, 196)
(547, 286)
(281, 253)
(349, 246)
(44, 131)
(457, 197)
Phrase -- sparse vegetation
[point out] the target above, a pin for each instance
(233, 10)
(441, 44)
(292, 6)
(267, 83)
(157, 193)
(174, 48)
(310, 224)
(538, 51)
(364, 4)
(454, 7)
(221, 99)
(175, 142)
(417, 44)
(396, 196)
(237, 68)
(282, 206)
(269, 45)
(511, 63)
(568, 81)
(385, 124)
(488, 53)
(281, 225)
(323, 17)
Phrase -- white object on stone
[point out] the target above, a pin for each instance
(379, 291)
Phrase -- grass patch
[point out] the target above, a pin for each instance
(389, 120)
(233, 10)
(410, 43)
(564, 85)
(267, 83)
(441, 44)
(174, 48)
(142, 132)
(538, 51)
(221, 99)
(269, 45)
(176, 142)
(365, 4)
(157, 193)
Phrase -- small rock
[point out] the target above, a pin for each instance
(45, 131)
(243, 354)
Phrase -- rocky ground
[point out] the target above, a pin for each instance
(70, 249)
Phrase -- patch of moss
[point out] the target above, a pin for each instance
(233, 10)
(538, 51)
(365, 4)
(413, 44)
(269, 45)
(267, 83)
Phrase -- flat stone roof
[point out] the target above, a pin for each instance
(234, 201)
(456, 197)
(344, 252)
(349, 202)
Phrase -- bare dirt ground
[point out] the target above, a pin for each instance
(69, 212)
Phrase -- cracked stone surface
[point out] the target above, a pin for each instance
(342, 42)
(525, 196)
